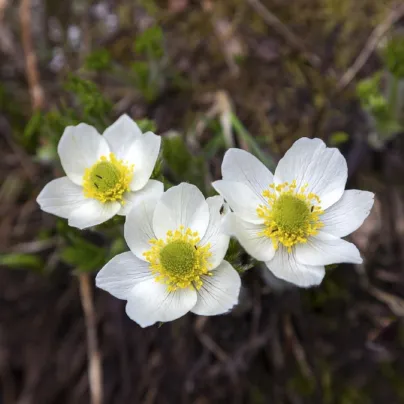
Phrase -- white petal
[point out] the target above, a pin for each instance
(92, 213)
(138, 228)
(348, 213)
(119, 276)
(325, 249)
(152, 188)
(285, 266)
(241, 166)
(219, 292)
(79, 148)
(219, 242)
(308, 161)
(241, 199)
(248, 235)
(143, 154)
(121, 135)
(150, 302)
(182, 205)
(60, 197)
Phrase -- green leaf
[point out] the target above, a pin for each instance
(33, 126)
(98, 60)
(22, 261)
(84, 256)
(338, 138)
(185, 166)
(150, 42)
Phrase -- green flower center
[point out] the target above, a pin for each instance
(108, 179)
(105, 176)
(290, 213)
(178, 258)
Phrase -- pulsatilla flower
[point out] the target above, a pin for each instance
(104, 174)
(294, 220)
(176, 263)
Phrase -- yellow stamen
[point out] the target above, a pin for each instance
(108, 179)
(291, 216)
(178, 261)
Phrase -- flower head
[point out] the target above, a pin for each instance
(176, 260)
(105, 174)
(294, 220)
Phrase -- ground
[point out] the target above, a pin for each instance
(278, 65)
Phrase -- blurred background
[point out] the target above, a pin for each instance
(206, 75)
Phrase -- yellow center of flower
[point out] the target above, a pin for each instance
(291, 216)
(108, 179)
(178, 261)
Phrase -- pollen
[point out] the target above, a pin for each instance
(108, 179)
(291, 215)
(178, 261)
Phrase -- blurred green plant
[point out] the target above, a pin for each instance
(382, 95)
(99, 60)
(149, 70)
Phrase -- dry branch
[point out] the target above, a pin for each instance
(94, 359)
(33, 78)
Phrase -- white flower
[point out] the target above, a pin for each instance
(105, 174)
(294, 220)
(176, 260)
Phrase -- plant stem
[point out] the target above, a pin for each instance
(93, 354)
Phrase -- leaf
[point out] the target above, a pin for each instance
(22, 261)
(84, 256)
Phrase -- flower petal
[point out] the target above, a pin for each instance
(219, 242)
(240, 166)
(325, 249)
(150, 302)
(121, 135)
(152, 188)
(138, 228)
(248, 235)
(119, 276)
(182, 205)
(348, 213)
(241, 199)
(92, 213)
(285, 266)
(143, 154)
(79, 148)
(219, 292)
(310, 162)
(60, 197)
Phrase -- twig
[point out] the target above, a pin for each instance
(93, 354)
(375, 37)
(282, 30)
(35, 89)
(3, 6)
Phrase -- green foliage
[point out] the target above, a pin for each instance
(182, 164)
(394, 56)
(145, 81)
(99, 60)
(250, 141)
(382, 108)
(150, 42)
(338, 138)
(22, 261)
(92, 102)
(147, 125)
(79, 253)
(149, 68)
(235, 256)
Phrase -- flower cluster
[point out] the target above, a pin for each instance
(293, 220)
